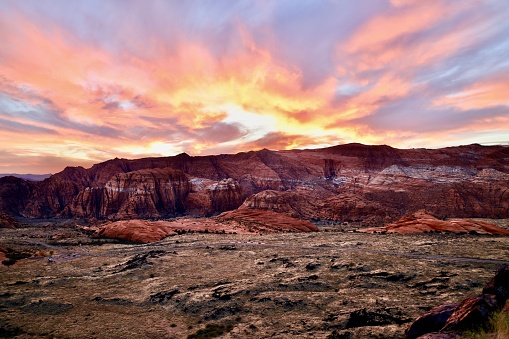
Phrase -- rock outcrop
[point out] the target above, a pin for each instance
(261, 221)
(141, 231)
(345, 182)
(240, 221)
(49, 198)
(293, 203)
(208, 197)
(470, 314)
(422, 222)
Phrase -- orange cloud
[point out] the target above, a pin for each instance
(389, 26)
(403, 38)
(482, 94)
(92, 88)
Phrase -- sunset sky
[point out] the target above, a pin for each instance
(86, 81)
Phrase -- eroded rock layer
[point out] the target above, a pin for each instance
(260, 221)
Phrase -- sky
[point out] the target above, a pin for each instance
(84, 81)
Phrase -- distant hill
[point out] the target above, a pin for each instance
(31, 177)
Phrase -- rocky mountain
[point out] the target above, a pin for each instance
(340, 183)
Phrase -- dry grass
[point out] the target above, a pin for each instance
(498, 328)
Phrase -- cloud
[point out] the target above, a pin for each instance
(273, 140)
(221, 132)
(92, 79)
(17, 127)
(281, 141)
(411, 116)
(38, 164)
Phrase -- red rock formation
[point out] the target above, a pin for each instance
(14, 193)
(208, 197)
(49, 198)
(240, 221)
(261, 221)
(421, 222)
(292, 203)
(142, 231)
(345, 182)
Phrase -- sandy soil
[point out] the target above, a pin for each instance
(319, 285)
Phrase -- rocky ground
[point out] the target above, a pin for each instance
(330, 284)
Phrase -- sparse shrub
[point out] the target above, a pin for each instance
(12, 257)
(497, 329)
(8, 262)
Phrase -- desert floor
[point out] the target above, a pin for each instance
(298, 285)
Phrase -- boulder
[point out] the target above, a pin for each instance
(433, 321)
(472, 313)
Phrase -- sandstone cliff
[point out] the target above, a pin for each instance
(208, 197)
(140, 194)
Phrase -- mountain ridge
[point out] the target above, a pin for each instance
(31, 177)
(341, 183)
